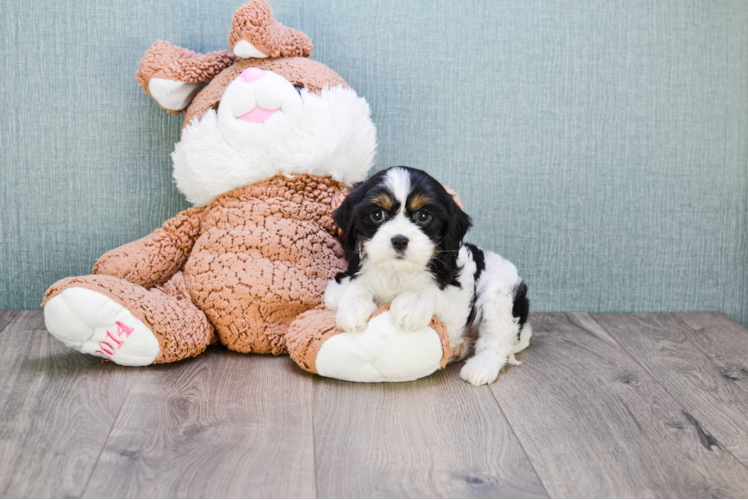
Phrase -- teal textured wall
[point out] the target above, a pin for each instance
(600, 145)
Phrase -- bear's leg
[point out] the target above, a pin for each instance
(125, 323)
(380, 353)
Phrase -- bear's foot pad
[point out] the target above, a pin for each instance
(381, 353)
(92, 323)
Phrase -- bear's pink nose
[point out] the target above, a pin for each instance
(250, 75)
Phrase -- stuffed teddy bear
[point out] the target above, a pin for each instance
(271, 140)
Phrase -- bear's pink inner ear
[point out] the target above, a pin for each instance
(173, 75)
(256, 34)
(455, 196)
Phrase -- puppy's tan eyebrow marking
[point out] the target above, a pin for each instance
(384, 201)
(419, 201)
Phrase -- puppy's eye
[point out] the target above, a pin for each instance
(377, 215)
(423, 217)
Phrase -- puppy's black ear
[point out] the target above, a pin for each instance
(445, 267)
(459, 223)
(344, 218)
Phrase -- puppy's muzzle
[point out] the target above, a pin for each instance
(399, 243)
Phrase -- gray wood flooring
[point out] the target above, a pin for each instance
(605, 405)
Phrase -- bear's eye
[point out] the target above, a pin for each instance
(377, 215)
(298, 88)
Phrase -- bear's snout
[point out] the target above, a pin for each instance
(250, 75)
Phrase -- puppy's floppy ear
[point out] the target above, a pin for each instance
(459, 223)
(344, 218)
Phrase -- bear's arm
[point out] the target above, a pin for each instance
(152, 260)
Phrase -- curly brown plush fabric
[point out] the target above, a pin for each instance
(251, 261)
(182, 330)
(264, 256)
(152, 260)
(307, 333)
(288, 50)
(312, 329)
(241, 269)
(254, 22)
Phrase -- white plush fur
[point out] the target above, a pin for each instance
(171, 94)
(380, 353)
(327, 135)
(246, 50)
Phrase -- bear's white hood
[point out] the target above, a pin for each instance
(328, 135)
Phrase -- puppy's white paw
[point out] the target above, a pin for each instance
(333, 294)
(410, 312)
(481, 369)
(353, 315)
(513, 361)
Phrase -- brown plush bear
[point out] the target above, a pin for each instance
(269, 143)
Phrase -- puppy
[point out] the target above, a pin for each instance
(404, 239)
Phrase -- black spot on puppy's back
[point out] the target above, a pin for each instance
(521, 307)
(480, 265)
(480, 261)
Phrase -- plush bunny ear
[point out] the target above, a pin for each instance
(173, 75)
(256, 33)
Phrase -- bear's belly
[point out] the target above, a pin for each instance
(253, 276)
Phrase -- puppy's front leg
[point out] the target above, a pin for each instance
(354, 307)
(412, 311)
(335, 292)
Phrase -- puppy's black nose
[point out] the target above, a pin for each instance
(400, 242)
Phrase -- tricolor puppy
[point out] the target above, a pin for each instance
(403, 235)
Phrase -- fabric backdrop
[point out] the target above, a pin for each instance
(601, 145)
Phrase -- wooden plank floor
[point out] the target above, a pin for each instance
(611, 405)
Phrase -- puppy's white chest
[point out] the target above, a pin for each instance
(386, 285)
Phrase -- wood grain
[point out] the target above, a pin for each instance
(701, 359)
(581, 417)
(219, 425)
(6, 317)
(436, 437)
(595, 424)
(56, 409)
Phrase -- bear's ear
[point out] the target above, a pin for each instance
(455, 196)
(256, 34)
(173, 75)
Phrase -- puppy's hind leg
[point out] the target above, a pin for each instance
(498, 337)
(520, 310)
(524, 340)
